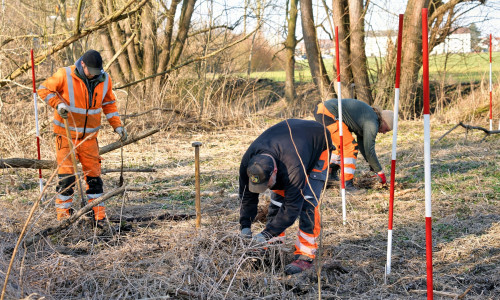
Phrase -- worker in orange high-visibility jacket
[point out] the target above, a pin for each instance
(291, 159)
(80, 93)
(363, 120)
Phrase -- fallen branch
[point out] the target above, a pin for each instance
(486, 131)
(50, 164)
(165, 216)
(176, 111)
(74, 217)
(147, 170)
(130, 140)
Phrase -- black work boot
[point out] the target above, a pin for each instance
(299, 265)
(333, 177)
(350, 188)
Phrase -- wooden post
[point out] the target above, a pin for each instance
(197, 200)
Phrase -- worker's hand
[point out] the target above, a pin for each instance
(122, 132)
(259, 239)
(381, 175)
(246, 233)
(62, 110)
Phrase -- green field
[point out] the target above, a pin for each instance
(456, 68)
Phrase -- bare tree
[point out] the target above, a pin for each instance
(357, 46)
(316, 64)
(290, 44)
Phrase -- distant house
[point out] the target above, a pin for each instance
(327, 47)
(484, 44)
(377, 42)
(457, 42)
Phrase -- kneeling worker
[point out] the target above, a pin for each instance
(291, 158)
(363, 120)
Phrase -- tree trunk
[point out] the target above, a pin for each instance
(164, 56)
(184, 23)
(148, 31)
(290, 44)
(106, 43)
(131, 50)
(316, 64)
(340, 13)
(358, 56)
(411, 57)
(118, 40)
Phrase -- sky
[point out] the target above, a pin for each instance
(382, 15)
(486, 17)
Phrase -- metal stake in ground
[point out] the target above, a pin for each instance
(73, 160)
(197, 200)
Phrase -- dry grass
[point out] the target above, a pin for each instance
(158, 259)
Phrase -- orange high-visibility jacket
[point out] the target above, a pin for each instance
(84, 118)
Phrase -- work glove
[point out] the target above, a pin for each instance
(62, 110)
(122, 132)
(381, 175)
(246, 233)
(259, 239)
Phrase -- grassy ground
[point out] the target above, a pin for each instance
(456, 68)
(157, 258)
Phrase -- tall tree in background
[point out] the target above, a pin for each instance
(340, 13)
(316, 64)
(442, 22)
(290, 44)
(357, 46)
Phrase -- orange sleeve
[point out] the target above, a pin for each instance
(109, 107)
(47, 90)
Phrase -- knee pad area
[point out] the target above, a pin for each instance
(95, 185)
(65, 184)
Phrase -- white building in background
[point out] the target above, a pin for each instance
(377, 42)
(457, 42)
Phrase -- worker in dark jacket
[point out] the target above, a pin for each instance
(363, 120)
(290, 158)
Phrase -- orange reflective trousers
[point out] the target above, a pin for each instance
(331, 123)
(87, 152)
(309, 218)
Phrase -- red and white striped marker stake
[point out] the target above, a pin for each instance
(427, 155)
(36, 119)
(341, 136)
(491, 96)
(394, 141)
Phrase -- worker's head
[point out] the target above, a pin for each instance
(261, 172)
(92, 63)
(385, 119)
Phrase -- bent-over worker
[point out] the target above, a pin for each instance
(291, 158)
(363, 120)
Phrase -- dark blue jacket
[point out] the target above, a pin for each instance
(284, 141)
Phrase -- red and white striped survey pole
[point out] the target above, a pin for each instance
(427, 154)
(394, 141)
(36, 119)
(491, 95)
(341, 136)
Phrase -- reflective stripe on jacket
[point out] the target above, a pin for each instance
(83, 117)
